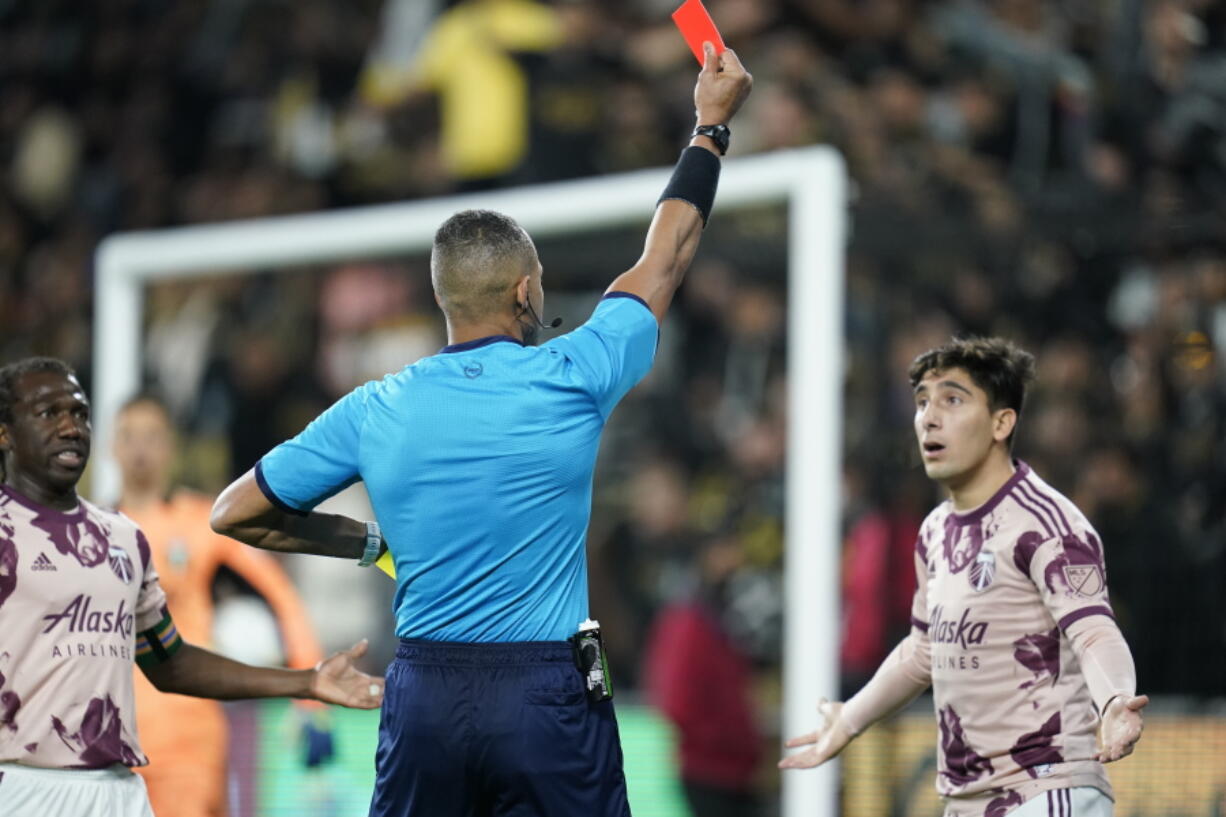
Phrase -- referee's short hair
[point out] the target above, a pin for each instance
(478, 256)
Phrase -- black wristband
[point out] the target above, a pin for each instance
(694, 180)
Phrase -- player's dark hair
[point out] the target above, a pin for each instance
(995, 365)
(477, 256)
(12, 373)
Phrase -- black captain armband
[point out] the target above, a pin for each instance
(694, 180)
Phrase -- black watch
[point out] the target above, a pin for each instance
(719, 134)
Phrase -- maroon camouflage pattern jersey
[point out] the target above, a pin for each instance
(77, 591)
(998, 587)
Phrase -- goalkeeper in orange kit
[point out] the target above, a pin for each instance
(186, 738)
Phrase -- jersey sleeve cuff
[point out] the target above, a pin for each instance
(619, 294)
(270, 494)
(157, 644)
(1085, 612)
(622, 294)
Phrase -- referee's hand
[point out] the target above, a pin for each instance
(722, 86)
(1121, 727)
(337, 681)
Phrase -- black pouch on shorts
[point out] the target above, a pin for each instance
(592, 662)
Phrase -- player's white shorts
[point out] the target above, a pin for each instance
(26, 791)
(1083, 801)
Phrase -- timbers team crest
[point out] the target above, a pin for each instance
(983, 571)
(121, 564)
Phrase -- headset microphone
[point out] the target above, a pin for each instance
(553, 324)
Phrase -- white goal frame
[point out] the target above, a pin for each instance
(811, 181)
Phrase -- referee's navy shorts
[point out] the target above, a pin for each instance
(494, 730)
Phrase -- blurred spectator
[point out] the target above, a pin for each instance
(471, 59)
(878, 571)
(643, 560)
(692, 670)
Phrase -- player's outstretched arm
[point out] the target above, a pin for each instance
(336, 680)
(830, 738)
(904, 674)
(1111, 676)
(244, 513)
(723, 84)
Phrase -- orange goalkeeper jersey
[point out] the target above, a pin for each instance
(184, 737)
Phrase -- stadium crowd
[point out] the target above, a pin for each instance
(1050, 171)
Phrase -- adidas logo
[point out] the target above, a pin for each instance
(42, 563)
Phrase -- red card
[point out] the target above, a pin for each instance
(697, 27)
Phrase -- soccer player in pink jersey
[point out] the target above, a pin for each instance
(79, 602)
(1033, 684)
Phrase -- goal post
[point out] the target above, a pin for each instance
(810, 181)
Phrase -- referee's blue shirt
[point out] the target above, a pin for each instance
(478, 462)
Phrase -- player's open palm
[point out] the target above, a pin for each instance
(1121, 727)
(827, 740)
(338, 681)
(722, 86)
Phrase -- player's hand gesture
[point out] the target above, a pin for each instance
(827, 741)
(338, 681)
(722, 86)
(1121, 727)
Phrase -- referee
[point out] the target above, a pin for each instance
(478, 462)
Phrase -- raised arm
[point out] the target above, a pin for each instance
(677, 226)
